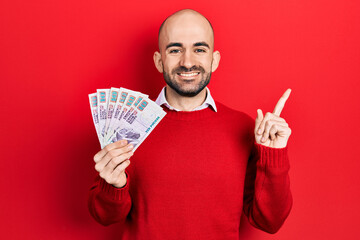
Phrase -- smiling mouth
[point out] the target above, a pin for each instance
(188, 74)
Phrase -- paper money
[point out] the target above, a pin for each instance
(123, 114)
(122, 94)
(127, 98)
(114, 93)
(103, 100)
(94, 112)
(136, 126)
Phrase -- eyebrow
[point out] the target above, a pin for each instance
(198, 44)
(174, 44)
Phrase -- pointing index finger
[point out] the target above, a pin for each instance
(281, 103)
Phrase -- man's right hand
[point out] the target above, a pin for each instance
(112, 160)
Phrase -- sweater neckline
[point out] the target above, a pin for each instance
(189, 115)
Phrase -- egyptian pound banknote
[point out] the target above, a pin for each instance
(120, 113)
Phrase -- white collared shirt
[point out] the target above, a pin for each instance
(209, 101)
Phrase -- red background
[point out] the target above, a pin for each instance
(54, 53)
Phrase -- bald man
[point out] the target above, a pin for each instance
(204, 164)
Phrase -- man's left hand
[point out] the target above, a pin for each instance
(272, 130)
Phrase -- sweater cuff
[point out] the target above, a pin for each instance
(272, 157)
(114, 192)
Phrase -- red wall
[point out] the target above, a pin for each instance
(53, 53)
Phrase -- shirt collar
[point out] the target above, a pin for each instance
(209, 101)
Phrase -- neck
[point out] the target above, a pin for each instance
(184, 103)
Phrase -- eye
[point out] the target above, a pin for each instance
(174, 51)
(200, 50)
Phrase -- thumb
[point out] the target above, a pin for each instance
(258, 120)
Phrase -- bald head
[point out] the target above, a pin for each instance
(186, 57)
(185, 20)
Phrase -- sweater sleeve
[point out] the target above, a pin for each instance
(108, 204)
(267, 196)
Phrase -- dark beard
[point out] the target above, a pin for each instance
(177, 88)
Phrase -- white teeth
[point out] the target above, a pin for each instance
(188, 74)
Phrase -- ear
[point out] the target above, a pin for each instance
(215, 61)
(158, 62)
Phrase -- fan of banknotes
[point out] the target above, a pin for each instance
(120, 113)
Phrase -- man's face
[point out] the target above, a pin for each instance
(186, 51)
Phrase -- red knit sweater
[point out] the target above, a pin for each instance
(192, 178)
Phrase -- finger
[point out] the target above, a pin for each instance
(108, 148)
(120, 168)
(263, 122)
(118, 160)
(117, 152)
(275, 121)
(116, 175)
(278, 130)
(274, 117)
(277, 118)
(266, 133)
(281, 103)
(273, 131)
(283, 131)
(269, 124)
(275, 128)
(258, 120)
(113, 154)
(113, 164)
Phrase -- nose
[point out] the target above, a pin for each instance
(187, 60)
